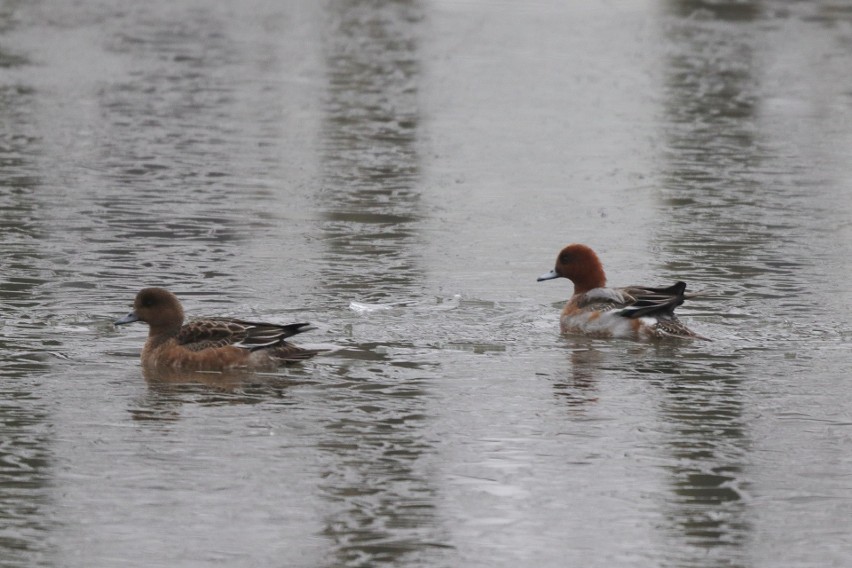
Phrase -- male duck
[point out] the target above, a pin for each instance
(638, 312)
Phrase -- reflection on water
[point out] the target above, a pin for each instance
(584, 372)
(26, 435)
(25, 464)
(168, 392)
(167, 189)
(735, 226)
(706, 437)
(735, 11)
(711, 188)
(383, 504)
(391, 165)
(713, 180)
(370, 159)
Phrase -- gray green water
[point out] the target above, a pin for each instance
(398, 173)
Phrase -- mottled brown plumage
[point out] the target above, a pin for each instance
(212, 344)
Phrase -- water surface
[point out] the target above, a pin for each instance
(399, 173)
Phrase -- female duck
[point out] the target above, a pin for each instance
(212, 344)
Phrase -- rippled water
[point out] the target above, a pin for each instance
(398, 173)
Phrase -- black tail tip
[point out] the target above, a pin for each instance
(292, 329)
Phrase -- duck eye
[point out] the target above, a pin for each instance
(565, 258)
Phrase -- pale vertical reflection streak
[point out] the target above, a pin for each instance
(381, 499)
(709, 190)
(26, 435)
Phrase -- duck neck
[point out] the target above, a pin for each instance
(162, 333)
(593, 277)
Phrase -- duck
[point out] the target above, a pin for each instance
(210, 344)
(635, 312)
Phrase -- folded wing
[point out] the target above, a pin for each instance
(657, 302)
(219, 332)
